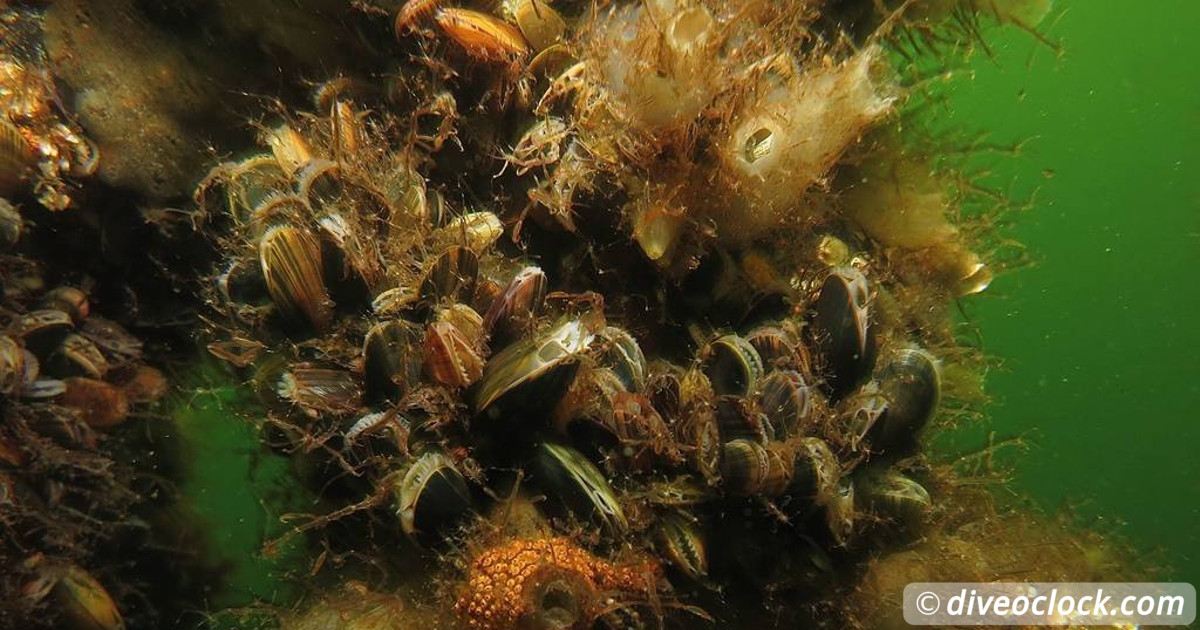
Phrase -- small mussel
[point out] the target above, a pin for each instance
(515, 311)
(697, 429)
(776, 347)
(391, 359)
(77, 356)
(567, 476)
(787, 402)
(752, 469)
(911, 384)
(843, 333)
(320, 391)
(817, 471)
(450, 356)
(740, 418)
(624, 357)
(733, 366)
(681, 543)
(527, 361)
(291, 263)
(11, 225)
(42, 331)
(69, 300)
(897, 498)
(840, 512)
(451, 278)
(432, 498)
(85, 602)
(12, 366)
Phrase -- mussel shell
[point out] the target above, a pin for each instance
(534, 359)
(911, 384)
(787, 402)
(680, 541)
(752, 469)
(624, 357)
(840, 512)
(353, 267)
(451, 278)
(11, 226)
(84, 601)
(432, 498)
(16, 158)
(292, 267)
(250, 183)
(739, 418)
(69, 300)
(568, 477)
(476, 231)
(77, 356)
(450, 357)
(118, 344)
(584, 416)
(321, 390)
(392, 359)
(733, 366)
(43, 330)
(12, 366)
(775, 347)
(242, 282)
(866, 408)
(541, 24)
(515, 311)
(897, 498)
(843, 333)
(665, 391)
(817, 471)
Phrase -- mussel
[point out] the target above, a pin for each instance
(624, 357)
(752, 469)
(733, 366)
(526, 361)
(392, 359)
(898, 498)
(680, 541)
(843, 333)
(451, 278)
(911, 384)
(579, 486)
(432, 498)
(786, 401)
(320, 391)
(515, 311)
(291, 263)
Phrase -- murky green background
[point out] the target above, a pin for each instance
(1100, 340)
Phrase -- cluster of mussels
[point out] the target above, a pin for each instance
(67, 375)
(723, 327)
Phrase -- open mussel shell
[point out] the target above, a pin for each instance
(532, 360)
(353, 266)
(391, 359)
(733, 366)
(242, 283)
(843, 333)
(250, 183)
(578, 486)
(787, 402)
(911, 384)
(291, 263)
(864, 411)
(584, 417)
(775, 347)
(680, 542)
(898, 498)
(451, 358)
(432, 498)
(624, 357)
(515, 311)
(42, 331)
(451, 278)
(77, 356)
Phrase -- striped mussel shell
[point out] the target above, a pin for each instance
(897, 498)
(622, 354)
(432, 498)
(392, 359)
(733, 366)
(292, 269)
(749, 468)
(843, 331)
(321, 391)
(514, 312)
(578, 486)
(787, 402)
(679, 541)
(531, 360)
(453, 347)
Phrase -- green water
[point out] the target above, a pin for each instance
(1099, 340)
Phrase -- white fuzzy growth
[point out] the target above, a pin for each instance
(901, 205)
(662, 79)
(788, 139)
